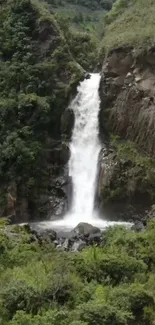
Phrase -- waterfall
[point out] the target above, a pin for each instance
(85, 148)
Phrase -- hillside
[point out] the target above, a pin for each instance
(130, 23)
(83, 15)
(127, 112)
(37, 77)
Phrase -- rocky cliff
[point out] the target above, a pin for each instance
(127, 116)
(127, 93)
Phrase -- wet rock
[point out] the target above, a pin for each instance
(59, 155)
(85, 230)
(78, 246)
(66, 244)
(95, 237)
(87, 75)
(26, 228)
(138, 226)
(59, 194)
(67, 122)
(42, 233)
(56, 242)
(85, 235)
(58, 205)
(51, 234)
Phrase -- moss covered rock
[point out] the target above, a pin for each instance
(126, 188)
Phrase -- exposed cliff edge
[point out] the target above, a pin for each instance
(127, 116)
(37, 77)
(127, 93)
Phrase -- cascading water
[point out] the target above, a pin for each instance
(85, 148)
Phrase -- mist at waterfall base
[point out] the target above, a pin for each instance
(85, 148)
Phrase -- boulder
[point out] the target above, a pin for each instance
(66, 244)
(84, 229)
(87, 75)
(42, 233)
(26, 228)
(138, 226)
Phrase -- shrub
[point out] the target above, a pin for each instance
(98, 314)
(107, 267)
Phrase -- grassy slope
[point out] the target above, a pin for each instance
(135, 25)
(84, 16)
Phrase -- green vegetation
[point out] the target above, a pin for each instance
(83, 46)
(130, 23)
(133, 174)
(40, 57)
(84, 15)
(37, 72)
(110, 284)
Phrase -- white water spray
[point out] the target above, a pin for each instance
(85, 148)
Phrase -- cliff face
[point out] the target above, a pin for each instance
(127, 93)
(37, 75)
(126, 186)
(127, 97)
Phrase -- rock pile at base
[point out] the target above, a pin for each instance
(84, 234)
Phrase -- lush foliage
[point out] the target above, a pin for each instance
(83, 46)
(94, 5)
(130, 22)
(110, 284)
(36, 74)
(133, 174)
(84, 15)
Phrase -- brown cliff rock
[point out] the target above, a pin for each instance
(127, 91)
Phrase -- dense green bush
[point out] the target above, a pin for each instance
(101, 313)
(54, 317)
(117, 9)
(109, 268)
(113, 284)
(83, 45)
(36, 77)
